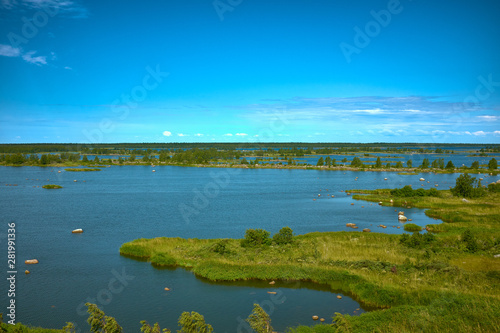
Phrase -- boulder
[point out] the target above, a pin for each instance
(26, 272)
(77, 231)
(315, 317)
(339, 297)
(31, 261)
(422, 179)
(402, 218)
(366, 230)
(272, 282)
(401, 213)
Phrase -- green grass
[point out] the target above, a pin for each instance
(52, 186)
(81, 169)
(441, 286)
(412, 227)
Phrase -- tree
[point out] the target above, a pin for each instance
(259, 320)
(328, 161)
(378, 163)
(284, 236)
(425, 163)
(85, 159)
(193, 323)
(493, 164)
(96, 159)
(99, 322)
(356, 162)
(475, 165)
(450, 165)
(244, 161)
(44, 159)
(464, 187)
(409, 163)
(320, 161)
(146, 328)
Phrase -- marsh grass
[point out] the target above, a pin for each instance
(422, 288)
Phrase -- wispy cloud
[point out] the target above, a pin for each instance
(181, 134)
(489, 118)
(69, 8)
(9, 51)
(198, 134)
(39, 60)
(241, 134)
(29, 57)
(228, 134)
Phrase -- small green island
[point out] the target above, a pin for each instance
(81, 169)
(52, 186)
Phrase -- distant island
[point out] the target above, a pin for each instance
(309, 156)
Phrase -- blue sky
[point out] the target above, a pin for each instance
(249, 70)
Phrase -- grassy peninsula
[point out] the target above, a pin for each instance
(448, 281)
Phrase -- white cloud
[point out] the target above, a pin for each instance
(468, 133)
(167, 133)
(496, 132)
(479, 133)
(9, 51)
(438, 132)
(489, 118)
(180, 134)
(39, 60)
(198, 134)
(228, 134)
(68, 68)
(256, 136)
(241, 134)
(59, 6)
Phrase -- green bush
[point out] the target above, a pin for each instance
(284, 236)
(221, 247)
(417, 240)
(256, 237)
(408, 191)
(470, 241)
(494, 187)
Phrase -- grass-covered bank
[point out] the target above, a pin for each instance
(449, 281)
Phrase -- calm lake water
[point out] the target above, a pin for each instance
(122, 203)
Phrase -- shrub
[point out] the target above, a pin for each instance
(407, 192)
(470, 241)
(256, 237)
(417, 240)
(494, 187)
(284, 236)
(221, 247)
